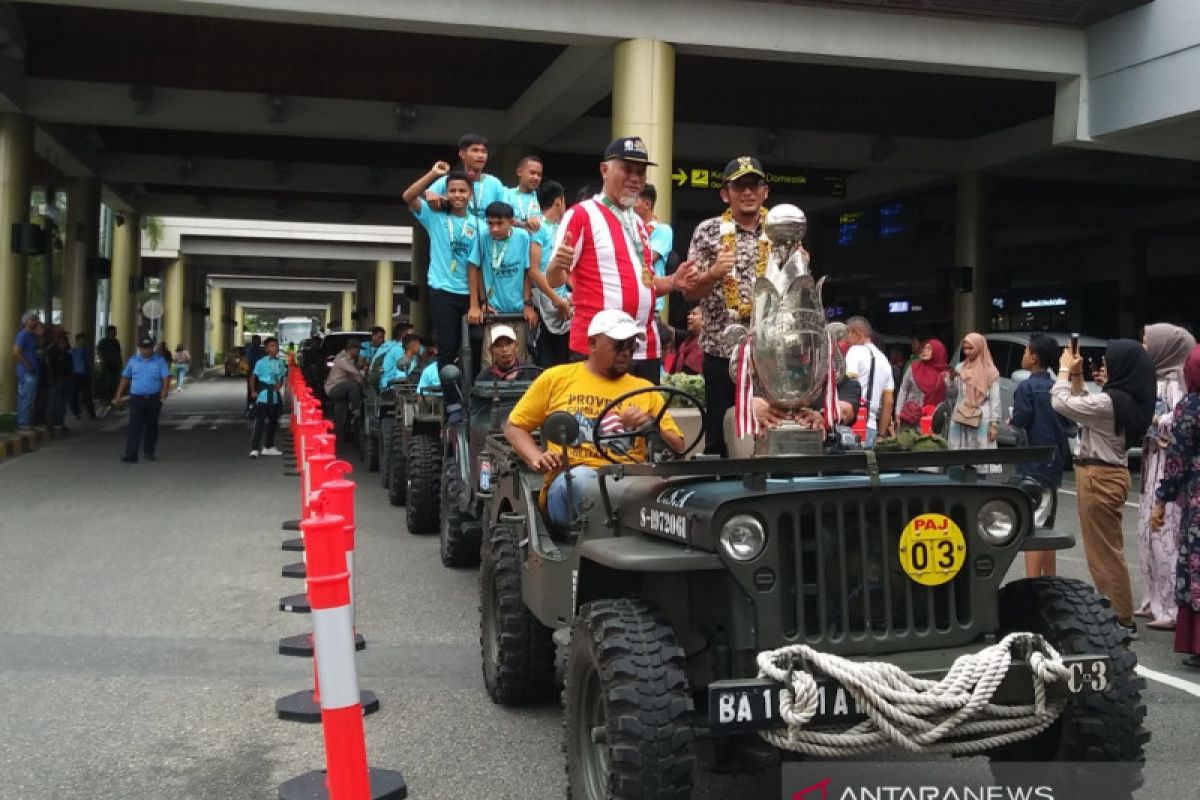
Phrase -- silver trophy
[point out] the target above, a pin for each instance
(790, 348)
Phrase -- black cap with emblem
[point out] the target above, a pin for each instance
(741, 166)
(628, 148)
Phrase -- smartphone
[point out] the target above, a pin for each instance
(1075, 343)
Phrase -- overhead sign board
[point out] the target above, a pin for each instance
(789, 180)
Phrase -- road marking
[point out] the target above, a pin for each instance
(189, 423)
(1076, 494)
(1170, 680)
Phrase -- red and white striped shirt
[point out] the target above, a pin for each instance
(607, 272)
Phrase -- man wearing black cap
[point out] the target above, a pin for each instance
(147, 378)
(605, 249)
(729, 252)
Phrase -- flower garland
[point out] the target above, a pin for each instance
(733, 298)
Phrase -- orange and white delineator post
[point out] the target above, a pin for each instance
(346, 775)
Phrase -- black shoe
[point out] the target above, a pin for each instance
(129, 459)
(1192, 662)
(1130, 629)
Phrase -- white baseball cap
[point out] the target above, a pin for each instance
(615, 324)
(502, 332)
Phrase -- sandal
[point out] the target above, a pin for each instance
(1193, 662)
(1161, 625)
(1143, 614)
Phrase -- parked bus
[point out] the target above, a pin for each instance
(294, 330)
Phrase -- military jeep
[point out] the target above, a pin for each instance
(417, 449)
(685, 585)
(467, 462)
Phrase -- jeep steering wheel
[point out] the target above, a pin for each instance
(652, 428)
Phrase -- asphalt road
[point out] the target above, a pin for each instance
(139, 622)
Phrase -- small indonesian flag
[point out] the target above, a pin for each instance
(745, 420)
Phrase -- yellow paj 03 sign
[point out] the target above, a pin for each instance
(932, 549)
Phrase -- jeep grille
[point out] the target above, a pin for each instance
(843, 585)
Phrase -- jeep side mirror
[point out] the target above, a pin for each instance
(560, 428)
(450, 375)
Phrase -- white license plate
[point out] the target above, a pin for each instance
(753, 704)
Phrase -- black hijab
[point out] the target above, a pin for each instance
(1131, 385)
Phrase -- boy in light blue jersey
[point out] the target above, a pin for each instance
(485, 189)
(662, 238)
(523, 197)
(430, 382)
(367, 353)
(400, 361)
(553, 305)
(267, 377)
(500, 281)
(453, 237)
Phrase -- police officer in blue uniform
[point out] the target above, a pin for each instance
(148, 380)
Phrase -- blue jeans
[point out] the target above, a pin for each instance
(26, 390)
(563, 513)
(181, 375)
(872, 433)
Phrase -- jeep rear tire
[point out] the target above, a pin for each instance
(1094, 727)
(424, 492)
(517, 651)
(397, 471)
(628, 706)
(387, 429)
(458, 534)
(368, 445)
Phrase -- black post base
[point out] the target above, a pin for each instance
(293, 545)
(295, 604)
(301, 707)
(297, 570)
(386, 784)
(302, 645)
(291, 525)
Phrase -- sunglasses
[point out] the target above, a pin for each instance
(630, 345)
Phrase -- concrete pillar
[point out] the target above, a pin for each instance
(1132, 284)
(82, 245)
(419, 313)
(643, 104)
(972, 309)
(173, 293)
(16, 152)
(216, 315)
(239, 325)
(381, 313)
(347, 321)
(328, 316)
(122, 301)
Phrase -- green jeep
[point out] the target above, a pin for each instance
(703, 608)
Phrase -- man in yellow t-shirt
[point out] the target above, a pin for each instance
(584, 389)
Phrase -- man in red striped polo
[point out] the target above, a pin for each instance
(604, 248)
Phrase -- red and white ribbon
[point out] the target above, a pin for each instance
(832, 414)
(744, 418)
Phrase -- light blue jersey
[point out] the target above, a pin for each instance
(431, 381)
(662, 238)
(269, 372)
(525, 205)
(452, 240)
(485, 191)
(396, 366)
(504, 263)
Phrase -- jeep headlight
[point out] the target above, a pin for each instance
(743, 537)
(997, 522)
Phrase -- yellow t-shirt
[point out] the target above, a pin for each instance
(577, 390)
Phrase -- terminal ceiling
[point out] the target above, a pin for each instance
(204, 116)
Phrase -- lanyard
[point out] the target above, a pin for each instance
(465, 232)
(496, 260)
(641, 243)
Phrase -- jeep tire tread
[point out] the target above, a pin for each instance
(1106, 726)
(424, 493)
(397, 471)
(517, 651)
(458, 534)
(628, 706)
(387, 431)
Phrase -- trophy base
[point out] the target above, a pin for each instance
(790, 439)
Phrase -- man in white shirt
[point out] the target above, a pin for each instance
(878, 385)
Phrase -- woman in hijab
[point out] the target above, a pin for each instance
(1181, 482)
(1111, 421)
(975, 390)
(1168, 347)
(924, 384)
